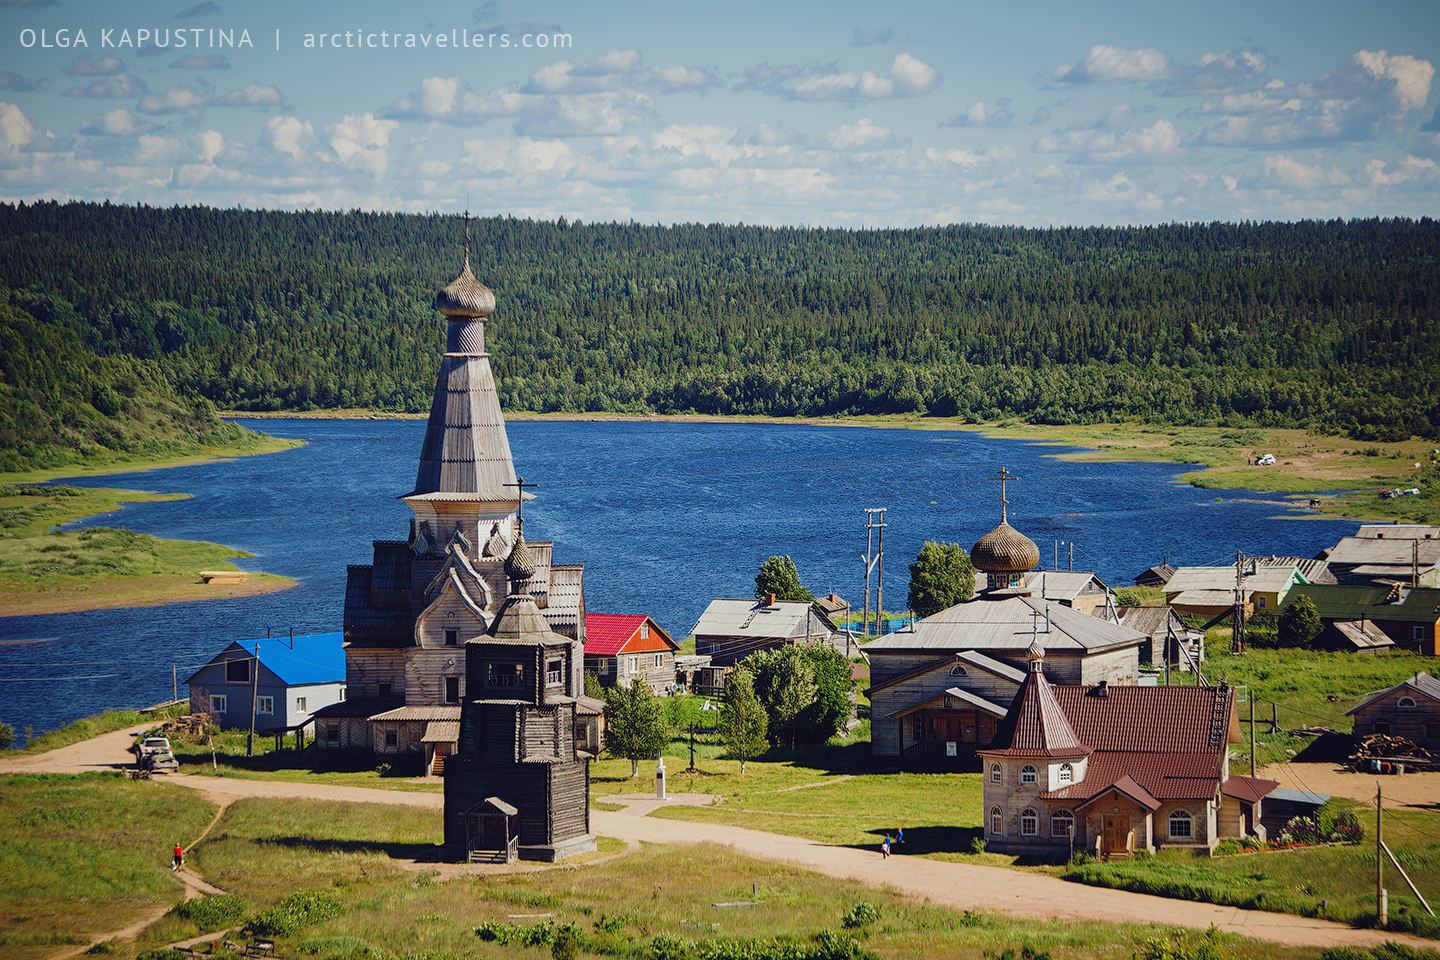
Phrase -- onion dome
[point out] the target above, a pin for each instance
(520, 565)
(1035, 651)
(1005, 550)
(465, 296)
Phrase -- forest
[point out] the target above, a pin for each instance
(1333, 326)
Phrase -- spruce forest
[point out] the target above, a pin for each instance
(1333, 326)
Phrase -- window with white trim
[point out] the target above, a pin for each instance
(1029, 823)
(264, 704)
(219, 702)
(299, 704)
(1067, 773)
(958, 671)
(1181, 825)
(994, 773)
(997, 821)
(645, 631)
(659, 661)
(1418, 633)
(1061, 822)
(1406, 703)
(604, 668)
(1027, 774)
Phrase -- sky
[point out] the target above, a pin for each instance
(839, 114)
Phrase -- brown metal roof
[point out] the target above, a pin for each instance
(1136, 719)
(1036, 725)
(1248, 789)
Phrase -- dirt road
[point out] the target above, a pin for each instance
(962, 886)
(1420, 791)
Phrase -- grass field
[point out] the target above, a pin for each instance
(644, 904)
(46, 570)
(83, 855)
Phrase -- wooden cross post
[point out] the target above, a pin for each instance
(1004, 477)
(520, 486)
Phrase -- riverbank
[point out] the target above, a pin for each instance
(1342, 475)
(44, 570)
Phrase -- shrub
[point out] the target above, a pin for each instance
(667, 947)
(862, 914)
(340, 948)
(977, 845)
(566, 945)
(1345, 953)
(296, 912)
(213, 913)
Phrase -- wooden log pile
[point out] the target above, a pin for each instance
(1382, 746)
(191, 727)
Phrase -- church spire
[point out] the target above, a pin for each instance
(465, 458)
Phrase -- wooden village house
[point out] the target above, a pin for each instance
(1408, 616)
(620, 647)
(1206, 592)
(1409, 709)
(1115, 770)
(286, 680)
(731, 629)
(410, 612)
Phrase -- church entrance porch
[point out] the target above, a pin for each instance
(946, 739)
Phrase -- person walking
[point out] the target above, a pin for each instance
(885, 848)
(179, 860)
(899, 838)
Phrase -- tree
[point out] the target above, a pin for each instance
(941, 576)
(1300, 623)
(7, 736)
(743, 720)
(779, 576)
(785, 684)
(635, 723)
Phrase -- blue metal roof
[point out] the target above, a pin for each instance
(316, 658)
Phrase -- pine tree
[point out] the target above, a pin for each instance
(635, 723)
(742, 720)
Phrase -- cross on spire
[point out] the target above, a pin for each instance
(1004, 477)
(520, 486)
(467, 219)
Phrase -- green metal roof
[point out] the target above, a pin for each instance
(1336, 601)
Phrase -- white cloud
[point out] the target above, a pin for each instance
(216, 61)
(208, 144)
(1214, 74)
(120, 86)
(362, 141)
(864, 134)
(905, 77)
(449, 100)
(982, 114)
(1408, 170)
(968, 159)
(1411, 76)
(1159, 142)
(253, 95)
(119, 122)
(16, 129)
(290, 136)
(1290, 171)
(1107, 64)
(177, 100)
(83, 66)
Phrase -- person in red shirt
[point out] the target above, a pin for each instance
(179, 860)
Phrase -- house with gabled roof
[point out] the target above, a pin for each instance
(1210, 591)
(1114, 769)
(1409, 709)
(288, 678)
(731, 629)
(620, 647)
(936, 715)
(1409, 616)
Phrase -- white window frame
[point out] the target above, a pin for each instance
(958, 671)
(995, 775)
(1066, 774)
(603, 668)
(659, 660)
(1029, 823)
(1180, 817)
(997, 821)
(1418, 633)
(645, 631)
(1027, 773)
(634, 665)
(300, 705)
(219, 702)
(1059, 820)
(265, 706)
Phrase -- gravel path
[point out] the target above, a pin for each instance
(962, 886)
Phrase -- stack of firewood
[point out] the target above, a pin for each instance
(1384, 746)
(192, 727)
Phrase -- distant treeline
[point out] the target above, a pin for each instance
(1332, 325)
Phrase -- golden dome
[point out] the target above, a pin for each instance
(1005, 550)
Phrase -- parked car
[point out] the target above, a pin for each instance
(149, 745)
(1266, 461)
(161, 762)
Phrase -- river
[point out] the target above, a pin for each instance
(665, 516)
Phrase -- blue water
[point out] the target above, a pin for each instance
(664, 516)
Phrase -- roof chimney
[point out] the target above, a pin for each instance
(769, 599)
(1102, 689)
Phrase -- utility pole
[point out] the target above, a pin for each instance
(1237, 642)
(1381, 907)
(879, 579)
(1251, 691)
(1071, 568)
(870, 559)
(174, 683)
(254, 700)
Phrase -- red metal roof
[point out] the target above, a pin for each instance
(1036, 726)
(609, 634)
